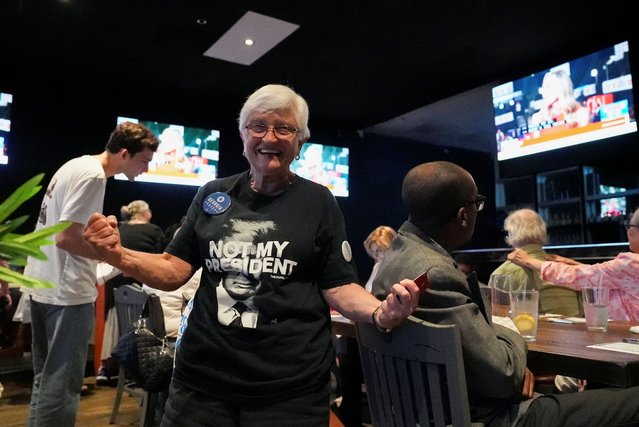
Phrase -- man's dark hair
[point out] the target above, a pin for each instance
(134, 137)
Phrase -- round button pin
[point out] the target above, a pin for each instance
(216, 203)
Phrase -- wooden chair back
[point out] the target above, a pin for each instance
(129, 303)
(414, 375)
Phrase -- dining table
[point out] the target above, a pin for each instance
(565, 348)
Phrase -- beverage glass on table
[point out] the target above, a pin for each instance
(595, 301)
(500, 287)
(524, 306)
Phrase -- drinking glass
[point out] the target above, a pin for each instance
(524, 304)
(500, 287)
(595, 301)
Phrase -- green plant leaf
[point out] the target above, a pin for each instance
(21, 195)
(16, 249)
(20, 279)
(9, 226)
(39, 235)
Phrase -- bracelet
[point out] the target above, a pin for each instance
(374, 317)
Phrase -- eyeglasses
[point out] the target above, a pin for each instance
(479, 202)
(629, 225)
(258, 130)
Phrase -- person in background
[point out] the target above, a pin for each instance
(620, 274)
(376, 246)
(62, 318)
(443, 204)
(228, 375)
(526, 230)
(558, 104)
(137, 232)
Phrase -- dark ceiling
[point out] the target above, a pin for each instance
(358, 63)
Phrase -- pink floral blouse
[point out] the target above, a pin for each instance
(620, 275)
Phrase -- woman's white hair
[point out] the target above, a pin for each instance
(525, 227)
(274, 98)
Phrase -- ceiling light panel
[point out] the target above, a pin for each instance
(265, 32)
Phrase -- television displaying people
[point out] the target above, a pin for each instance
(558, 104)
(582, 100)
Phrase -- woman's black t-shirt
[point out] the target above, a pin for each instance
(280, 252)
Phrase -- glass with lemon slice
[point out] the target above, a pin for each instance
(524, 307)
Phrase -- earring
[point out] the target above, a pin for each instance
(244, 153)
(297, 157)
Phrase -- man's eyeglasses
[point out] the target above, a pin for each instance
(479, 202)
(629, 225)
(258, 130)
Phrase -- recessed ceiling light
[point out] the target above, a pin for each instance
(248, 42)
(254, 26)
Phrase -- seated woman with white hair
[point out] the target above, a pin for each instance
(620, 275)
(526, 231)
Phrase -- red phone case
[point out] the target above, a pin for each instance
(422, 281)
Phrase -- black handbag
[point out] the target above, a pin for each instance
(147, 358)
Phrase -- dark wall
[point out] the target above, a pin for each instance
(377, 169)
(55, 121)
(59, 120)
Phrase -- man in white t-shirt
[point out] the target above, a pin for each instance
(62, 318)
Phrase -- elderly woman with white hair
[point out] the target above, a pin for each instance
(527, 232)
(274, 256)
(620, 275)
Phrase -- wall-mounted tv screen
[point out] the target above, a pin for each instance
(613, 207)
(6, 99)
(324, 164)
(186, 155)
(583, 100)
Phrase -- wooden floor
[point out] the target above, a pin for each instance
(95, 408)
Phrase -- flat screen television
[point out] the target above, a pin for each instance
(583, 100)
(324, 164)
(6, 99)
(186, 155)
(613, 207)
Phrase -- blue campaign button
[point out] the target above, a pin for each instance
(216, 203)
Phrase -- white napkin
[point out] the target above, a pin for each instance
(505, 321)
(634, 329)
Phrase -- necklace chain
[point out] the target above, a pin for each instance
(257, 190)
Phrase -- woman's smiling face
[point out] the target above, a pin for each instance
(271, 154)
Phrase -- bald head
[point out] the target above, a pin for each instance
(434, 192)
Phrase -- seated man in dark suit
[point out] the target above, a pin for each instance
(443, 203)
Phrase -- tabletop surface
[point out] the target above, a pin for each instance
(574, 339)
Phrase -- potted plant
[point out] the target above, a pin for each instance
(14, 247)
